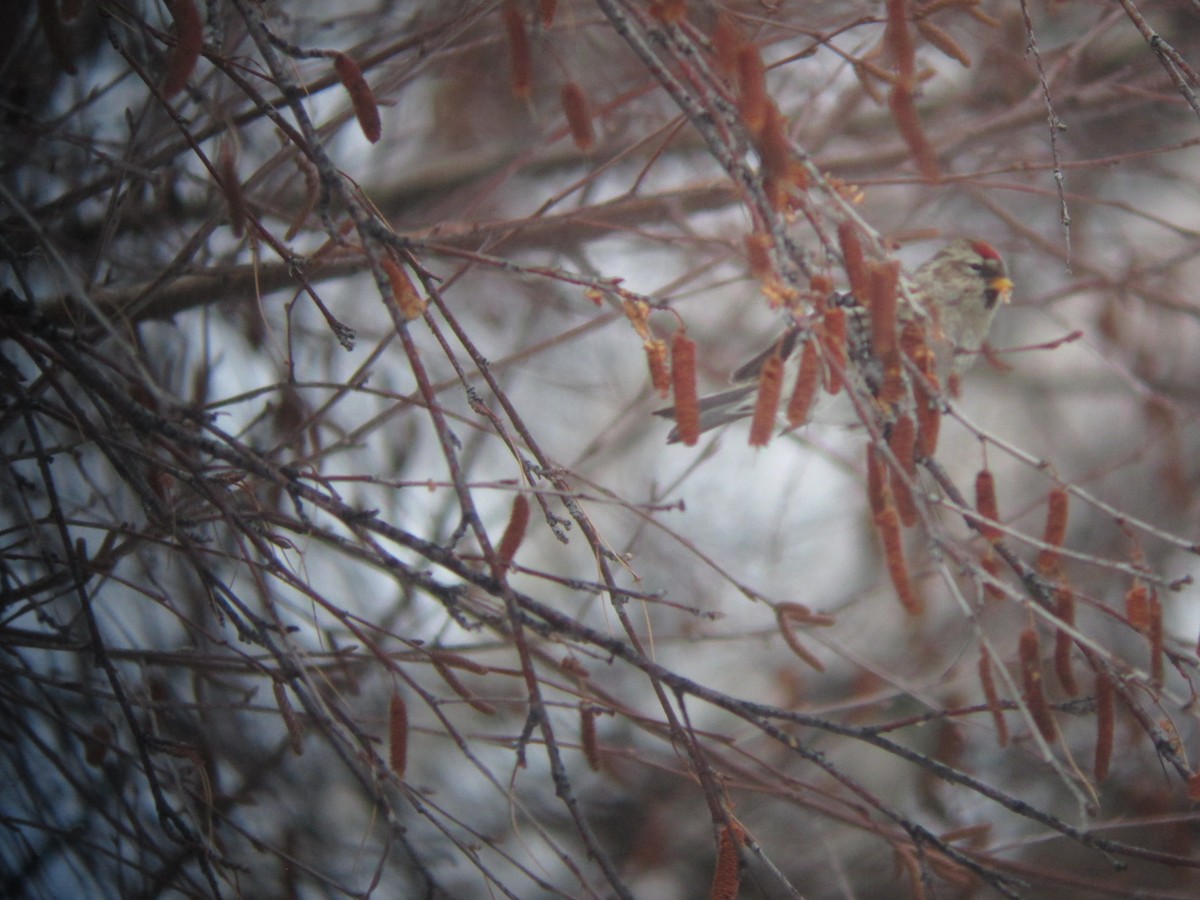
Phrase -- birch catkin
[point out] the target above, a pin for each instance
(366, 110)
(683, 382)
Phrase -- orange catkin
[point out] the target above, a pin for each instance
(941, 39)
(1056, 517)
(833, 343)
(991, 564)
(409, 301)
(579, 116)
(929, 412)
(852, 259)
(888, 523)
(912, 340)
(993, 700)
(398, 735)
(799, 175)
(514, 531)
(782, 615)
(1154, 631)
(1064, 608)
(725, 43)
(878, 495)
(898, 39)
(660, 371)
(458, 661)
(904, 113)
(587, 737)
(805, 389)
(1105, 716)
(366, 110)
(899, 43)
(727, 876)
(773, 145)
(520, 56)
(1137, 606)
(189, 41)
(776, 192)
(683, 381)
(798, 612)
(766, 405)
(669, 12)
(985, 502)
(638, 314)
(758, 254)
(453, 682)
(902, 441)
(1049, 561)
(894, 388)
(884, 278)
(1031, 680)
(753, 101)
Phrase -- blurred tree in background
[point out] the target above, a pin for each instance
(342, 555)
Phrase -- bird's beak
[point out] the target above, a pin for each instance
(1003, 287)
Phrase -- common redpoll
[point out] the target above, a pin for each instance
(958, 290)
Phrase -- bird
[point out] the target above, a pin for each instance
(959, 289)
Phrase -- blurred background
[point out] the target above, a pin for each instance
(311, 589)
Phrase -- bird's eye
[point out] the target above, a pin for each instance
(977, 267)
